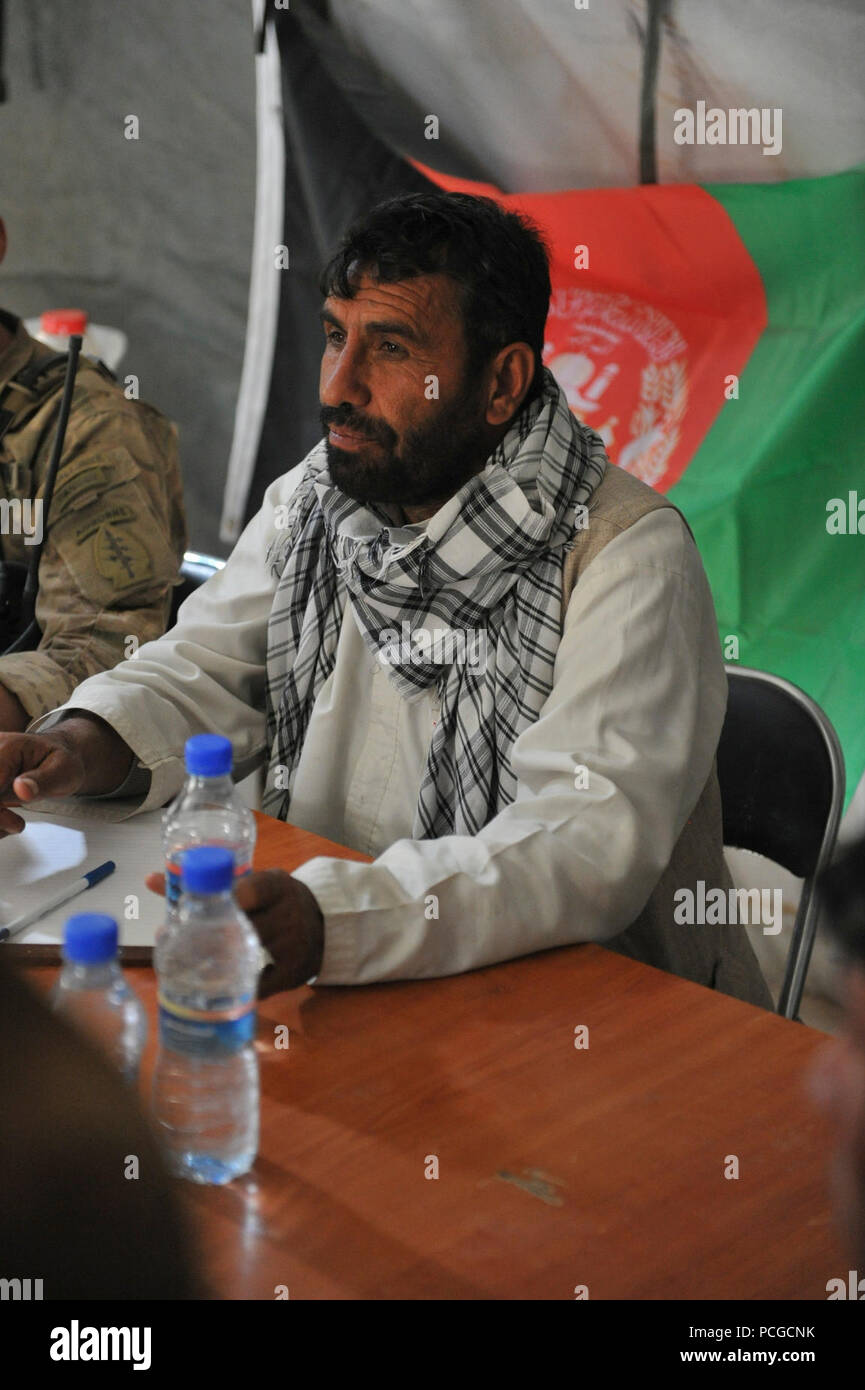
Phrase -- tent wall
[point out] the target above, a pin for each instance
(156, 235)
(151, 235)
(540, 95)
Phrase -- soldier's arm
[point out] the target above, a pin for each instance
(13, 716)
(114, 542)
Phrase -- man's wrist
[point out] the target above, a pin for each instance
(106, 757)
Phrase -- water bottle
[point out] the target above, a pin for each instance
(205, 1083)
(93, 994)
(208, 811)
(55, 326)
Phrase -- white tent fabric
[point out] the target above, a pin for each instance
(150, 234)
(545, 96)
(263, 283)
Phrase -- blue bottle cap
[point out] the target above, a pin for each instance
(90, 938)
(207, 869)
(208, 755)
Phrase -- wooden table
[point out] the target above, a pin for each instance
(558, 1166)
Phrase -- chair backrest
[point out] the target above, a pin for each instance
(195, 570)
(781, 772)
(782, 789)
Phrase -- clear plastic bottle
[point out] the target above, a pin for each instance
(205, 1083)
(92, 993)
(54, 327)
(207, 811)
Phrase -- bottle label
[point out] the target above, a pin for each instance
(173, 880)
(223, 1028)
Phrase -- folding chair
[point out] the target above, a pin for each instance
(781, 773)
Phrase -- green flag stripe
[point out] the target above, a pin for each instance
(756, 491)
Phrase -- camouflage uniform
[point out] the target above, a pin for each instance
(116, 531)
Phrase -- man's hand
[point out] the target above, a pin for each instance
(31, 766)
(82, 756)
(289, 923)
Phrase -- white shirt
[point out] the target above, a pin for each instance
(638, 700)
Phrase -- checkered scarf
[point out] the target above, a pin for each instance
(489, 562)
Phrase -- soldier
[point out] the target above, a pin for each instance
(116, 532)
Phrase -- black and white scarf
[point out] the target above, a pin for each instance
(488, 565)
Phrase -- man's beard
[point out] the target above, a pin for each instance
(435, 461)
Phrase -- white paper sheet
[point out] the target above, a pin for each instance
(52, 852)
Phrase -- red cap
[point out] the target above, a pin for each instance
(59, 322)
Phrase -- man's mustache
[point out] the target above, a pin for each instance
(338, 418)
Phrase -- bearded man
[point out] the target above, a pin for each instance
(458, 638)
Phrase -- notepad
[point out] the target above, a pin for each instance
(54, 851)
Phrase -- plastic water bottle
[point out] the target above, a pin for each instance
(205, 1084)
(54, 327)
(208, 811)
(93, 994)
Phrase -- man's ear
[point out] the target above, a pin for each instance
(513, 372)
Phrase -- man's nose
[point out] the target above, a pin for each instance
(343, 378)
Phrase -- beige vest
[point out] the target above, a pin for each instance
(720, 957)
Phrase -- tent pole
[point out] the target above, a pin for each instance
(657, 13)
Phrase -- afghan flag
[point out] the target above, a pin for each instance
(715, 338)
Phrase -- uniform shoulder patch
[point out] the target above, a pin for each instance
(83, 482)
(120, 558)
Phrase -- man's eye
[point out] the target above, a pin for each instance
(393, 349)
(333, 336)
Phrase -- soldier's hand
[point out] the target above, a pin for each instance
(35, 765)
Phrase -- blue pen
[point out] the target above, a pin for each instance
(70, 891)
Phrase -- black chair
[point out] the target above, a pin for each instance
(196, 569)
(781, 772)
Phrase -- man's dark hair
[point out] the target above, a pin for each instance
(498, 259)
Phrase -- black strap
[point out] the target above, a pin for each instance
(26, 379)
(31, 372)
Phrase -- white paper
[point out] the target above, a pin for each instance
(54, 851)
